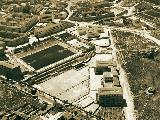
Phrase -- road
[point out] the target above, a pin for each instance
(129, 110)
(69, 11)
(142, 33)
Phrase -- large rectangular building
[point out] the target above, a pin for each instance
(110, 96)
(102, 66)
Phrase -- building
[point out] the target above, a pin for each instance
(111, 94)
(115, 71)
(101, 67)
(156, 33)
(110, 97)
(18, 22)
(49, 17)
(45, 18)
(101, 4)
(107, 77)
(2, 47)
(13, 39)
(24, 8)
(52, 28)
(74, 114)
(143, 6)
(85, 11)
(82, 30)
(10, 71)
(91, 31)
(37, 8)
(116, 82)
(110, 80)
(57, 12)
(106, 66)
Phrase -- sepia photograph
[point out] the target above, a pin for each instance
(79, 59)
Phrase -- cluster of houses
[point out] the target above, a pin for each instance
(111, 93)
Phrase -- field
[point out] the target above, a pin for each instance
(142, 72)
(47, 56)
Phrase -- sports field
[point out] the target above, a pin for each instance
(47, 56)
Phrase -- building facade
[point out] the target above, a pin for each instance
(13, 39)
(110, 97)
(10, 71)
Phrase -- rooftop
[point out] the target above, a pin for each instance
(10, 35)
(6, 64)
(16, 19)
(107, 74)
(110, 91)
(103, 63)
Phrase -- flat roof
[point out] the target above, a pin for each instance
(110, 91)
(107, 74)
(103, 63)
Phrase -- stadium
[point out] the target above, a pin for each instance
(53, 57)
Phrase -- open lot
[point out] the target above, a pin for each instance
(142, 72)
(47, 56)
(68, 86)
